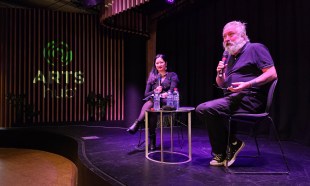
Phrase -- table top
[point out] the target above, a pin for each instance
(181, 109)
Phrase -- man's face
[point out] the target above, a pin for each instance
(232, 40)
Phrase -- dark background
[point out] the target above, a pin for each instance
(193, 41)
(191, 37)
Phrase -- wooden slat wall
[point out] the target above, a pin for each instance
(115, 15)
(113, 7)
(97, 54)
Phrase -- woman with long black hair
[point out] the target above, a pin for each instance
(159, 80)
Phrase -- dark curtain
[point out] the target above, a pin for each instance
(192, 38)
(135, 76)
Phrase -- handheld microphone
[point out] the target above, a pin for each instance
(224, 58)
(159, 80)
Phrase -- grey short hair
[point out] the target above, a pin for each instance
(241, 27)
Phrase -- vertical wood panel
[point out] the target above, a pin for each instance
(117, 6)
(96, 52)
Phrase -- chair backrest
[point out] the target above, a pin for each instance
(270, 95)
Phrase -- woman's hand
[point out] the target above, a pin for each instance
(158, 89)
(164, 95)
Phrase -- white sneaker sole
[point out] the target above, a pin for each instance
(229, 163)
(217, 164)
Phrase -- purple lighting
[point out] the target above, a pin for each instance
(90, 3)
(170, 1)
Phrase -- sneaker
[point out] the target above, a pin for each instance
(218, 160)
(233, 152)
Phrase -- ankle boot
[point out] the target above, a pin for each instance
(152, 142)
(134, 127)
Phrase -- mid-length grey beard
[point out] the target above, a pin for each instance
(235, 47)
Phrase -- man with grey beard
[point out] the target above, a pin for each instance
(244, 75)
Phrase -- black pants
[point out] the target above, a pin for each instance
(216, 114)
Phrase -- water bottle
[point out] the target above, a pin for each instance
(176, 98)
(156, 101)
(170, 99)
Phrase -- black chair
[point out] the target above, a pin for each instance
(255, 120)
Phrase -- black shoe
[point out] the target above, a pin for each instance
(233, 152)
(218, 160)
(134, 127)
(153, 142)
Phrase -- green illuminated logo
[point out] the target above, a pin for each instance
(57, 53)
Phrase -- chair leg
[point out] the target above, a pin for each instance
(258, 151)
(228, 143)
(280, 145)
(140, 142)
(255, 139)
(257, 148)
(179, 124)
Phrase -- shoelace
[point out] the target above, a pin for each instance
(218, 157)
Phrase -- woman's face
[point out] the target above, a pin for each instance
(160, 64)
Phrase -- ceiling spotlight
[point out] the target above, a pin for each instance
(170, 1)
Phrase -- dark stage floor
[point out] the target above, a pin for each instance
(112, 153)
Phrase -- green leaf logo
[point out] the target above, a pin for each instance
(57, 53)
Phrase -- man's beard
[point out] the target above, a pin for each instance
(235, 46)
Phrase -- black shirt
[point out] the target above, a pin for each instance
(247, 65)
(170, 82)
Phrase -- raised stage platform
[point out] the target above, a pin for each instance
(110, 156)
